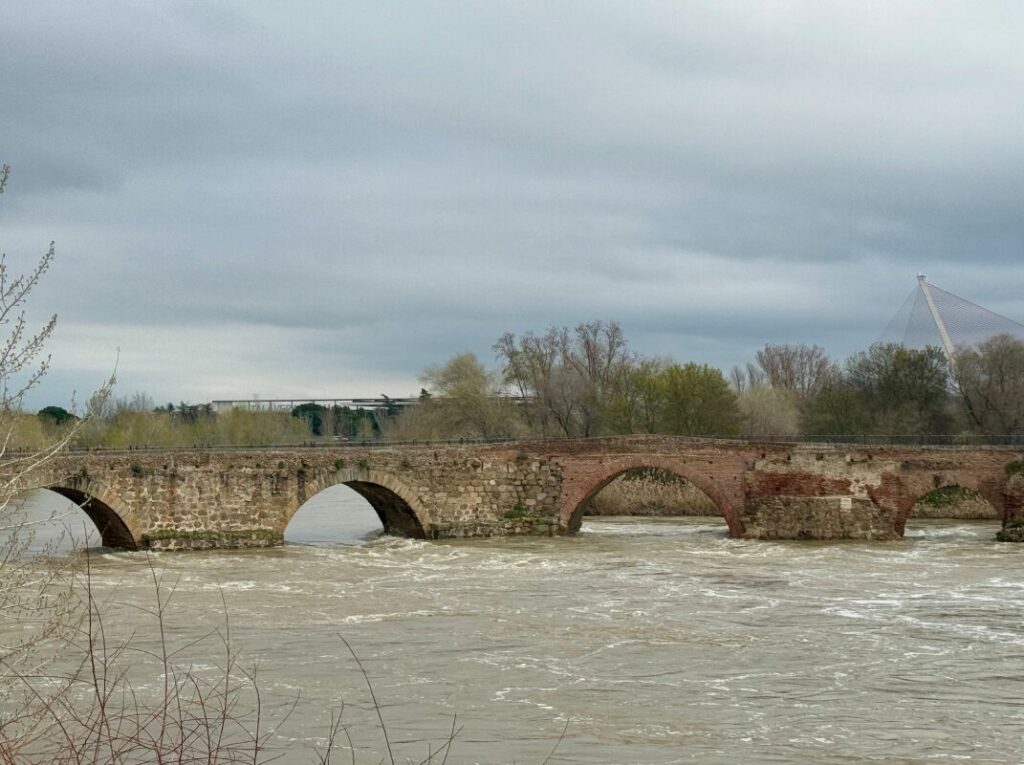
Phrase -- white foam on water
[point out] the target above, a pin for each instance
(381, 617)
(643, 632)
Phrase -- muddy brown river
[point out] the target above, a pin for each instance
(647, 641)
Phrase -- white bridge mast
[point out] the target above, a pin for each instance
(926, 290)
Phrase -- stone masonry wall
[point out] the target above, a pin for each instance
(650, 496)
(862, 494)
(245, 498)
(240, 498)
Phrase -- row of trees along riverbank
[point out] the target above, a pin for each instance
(586, 381)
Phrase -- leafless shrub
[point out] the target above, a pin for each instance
(990, 381)
(567, 377)
(746, 377)
(93, 713)
(801, 369)
(768, 411)
(34, 589)
(94, 710)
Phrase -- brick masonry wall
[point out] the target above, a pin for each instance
(240, 498)
(655, 497)
(892, 480)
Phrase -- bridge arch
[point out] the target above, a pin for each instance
(397, 506)
(921, 489)
(114, 522)
(576, 500)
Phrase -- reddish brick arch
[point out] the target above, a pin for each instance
(917, 487)
(583, 480)
(397, 506)
(116, 524)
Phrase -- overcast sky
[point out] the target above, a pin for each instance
(319, 199)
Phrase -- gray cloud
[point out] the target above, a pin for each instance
(250, 197)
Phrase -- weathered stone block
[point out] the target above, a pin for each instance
(803, 517)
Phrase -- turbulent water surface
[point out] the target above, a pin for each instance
(646, 641)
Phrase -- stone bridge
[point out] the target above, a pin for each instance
(178, 499)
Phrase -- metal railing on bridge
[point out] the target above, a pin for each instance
(867, 439)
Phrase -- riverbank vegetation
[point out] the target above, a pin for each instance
(586, 381)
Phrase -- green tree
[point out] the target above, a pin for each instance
(313, 415)
(905, 389)
(639, 401)
(349, 422)
(55, 415)
(461, 399)
(885, 390)
(696, 401)
(190, 414)
(838, 410)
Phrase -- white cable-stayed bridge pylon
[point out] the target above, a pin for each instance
(931, 316)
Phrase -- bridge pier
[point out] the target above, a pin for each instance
(1014, 498)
